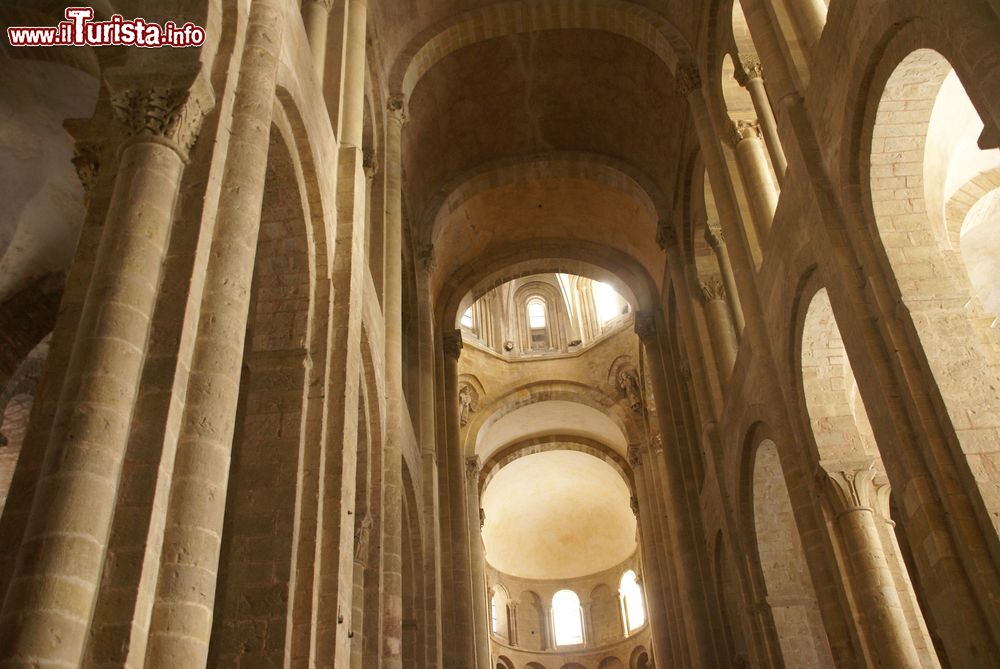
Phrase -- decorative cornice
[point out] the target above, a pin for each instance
(851, 488)
(686, 79)
(173, 115)
(712, 289)
(452, 343)
(742, 130)
(748, 68)
(645, 325)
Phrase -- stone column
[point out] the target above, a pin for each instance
(714, 238)
(427, 435)
(684, 538)
(852, 496)
(396, 414)
(461, 590)
(334, 579)
(361, 542)
(750, 75)
(713, 297)
(181, 621)
(478, 558)
(53, 588)
(353, 102)
(316, 18)
(745, 136)
(653, 570)
(810, 19)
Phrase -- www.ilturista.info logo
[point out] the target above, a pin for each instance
(79, 29)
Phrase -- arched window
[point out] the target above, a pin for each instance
(567, 620)
(494, 618)
(536, 323)
(633, 610)
(467, 319)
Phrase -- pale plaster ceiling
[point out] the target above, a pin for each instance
(550, 417)
(557, 514)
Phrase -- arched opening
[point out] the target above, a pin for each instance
(257, 546)
(633, 607)
(790, 596)
(933, 196)
(499, 613)
(567, 619)
(850, 459)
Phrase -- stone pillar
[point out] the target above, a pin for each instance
(461, 590)
(335, 551)
(480, 615)
(53, 588)
(750, 75)
(653, 570)
(396, 414)
(714, 238)
(353, 102)
(684, 538)
(181, 621)
(852, 496)
(810, 19)
(361, 543)
(745, 137)
(427, 435)
(316, 19)
(713, 297)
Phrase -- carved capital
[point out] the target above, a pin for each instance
(686, 79)
(362, 536)
(368, 162)
(657, 444)
(712, 289)
(850, 487)
(645, 325)
(325, 4)
(452, 343)
(473, 466)
(634, 456)
(396, 106)
(468, 403)
(87, 161)
(742, 130)
(173, 115)
(425, 257)
(713, 235)
(666, 235)
(748, 68)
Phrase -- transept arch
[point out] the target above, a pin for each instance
(625, 19)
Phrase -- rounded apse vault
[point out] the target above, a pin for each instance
(557, 515)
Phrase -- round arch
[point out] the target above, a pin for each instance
(638, 24)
